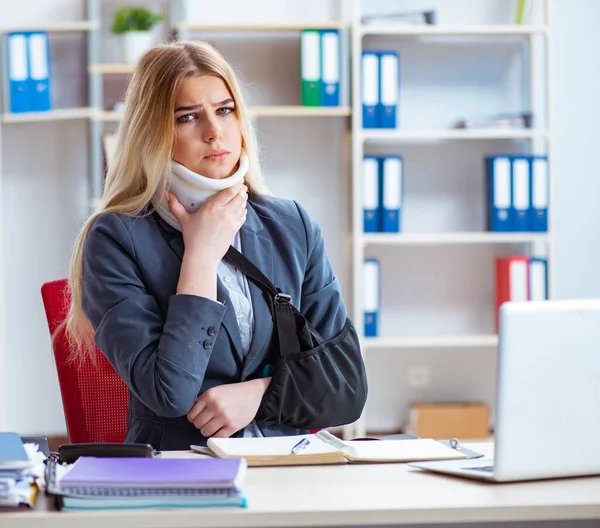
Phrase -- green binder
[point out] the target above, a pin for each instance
(310, 65)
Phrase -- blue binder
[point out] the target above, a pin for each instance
(371, 203)
(371, 294)
(391, 193)
(330, 67)
(499, 191)
(39, 71)
(521, 196)
(370, 89)
(539, 185)
(389, 68)
(17, 59)
(538, 279)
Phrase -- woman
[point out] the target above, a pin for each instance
(188, 333)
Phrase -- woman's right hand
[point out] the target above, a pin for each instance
(209, 231)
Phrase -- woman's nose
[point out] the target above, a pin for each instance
(212, 130)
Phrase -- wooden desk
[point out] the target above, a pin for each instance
(354, 495)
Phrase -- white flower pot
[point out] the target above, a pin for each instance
(135, 43)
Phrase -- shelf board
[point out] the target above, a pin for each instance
(398, 134)
(441, 341)
(51, 115)
(265, 111)
(300, 111)
(64, 27)
(330, 24)
(452, 31)
(111, 68)
(484, 237)
(106, 115)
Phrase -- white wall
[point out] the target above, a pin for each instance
(45, 168)
(575, 118)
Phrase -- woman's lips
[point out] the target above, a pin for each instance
(217, 156)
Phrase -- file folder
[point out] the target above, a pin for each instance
(539, 193)
(520, 194)
(370, 89)
(512, 281)
(499, 193)
(538, 279)
(310, 63)
(389, 87)
(39, 72)
(371, 209)
(331, 67)
(391, 193)
(371, 296)
(18, 72)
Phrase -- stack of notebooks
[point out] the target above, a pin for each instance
(107, 483)
(16, 478)
(324, 448)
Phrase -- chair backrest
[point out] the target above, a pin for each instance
(94, 397)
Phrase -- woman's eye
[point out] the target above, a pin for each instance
(186, 118)
(225, 110)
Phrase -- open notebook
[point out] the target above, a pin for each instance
(324, 448)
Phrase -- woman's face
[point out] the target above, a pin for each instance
(208, 140)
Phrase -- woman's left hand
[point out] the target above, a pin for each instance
(225, 409)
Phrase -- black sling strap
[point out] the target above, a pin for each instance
(280, 304)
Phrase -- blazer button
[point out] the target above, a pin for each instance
(212, 331)
(207, 343)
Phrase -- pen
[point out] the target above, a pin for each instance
(300, 446)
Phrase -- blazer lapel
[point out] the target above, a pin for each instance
(259, 250)
(229, 319)
(230, 322)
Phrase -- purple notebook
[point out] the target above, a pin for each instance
(155, 473)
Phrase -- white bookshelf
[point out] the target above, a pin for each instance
(537, 140)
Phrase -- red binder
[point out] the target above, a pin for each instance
(512, 282)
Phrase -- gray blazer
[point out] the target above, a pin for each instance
(171, 348)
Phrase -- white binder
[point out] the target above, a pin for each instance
(370, 89)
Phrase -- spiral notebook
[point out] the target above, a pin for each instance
(103, 482)
(324, 448)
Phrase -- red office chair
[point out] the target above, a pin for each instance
(94, 397)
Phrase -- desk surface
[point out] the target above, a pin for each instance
(351, 495)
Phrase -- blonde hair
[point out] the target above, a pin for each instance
(144, 149)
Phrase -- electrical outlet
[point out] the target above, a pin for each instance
(419, 376)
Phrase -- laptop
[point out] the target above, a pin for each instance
(548, 395)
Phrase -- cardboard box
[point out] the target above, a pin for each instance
(462, 420)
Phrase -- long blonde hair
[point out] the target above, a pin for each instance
(144, 148)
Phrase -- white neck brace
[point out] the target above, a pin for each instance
(192, 189)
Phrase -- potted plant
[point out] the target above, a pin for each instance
(134, 25)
